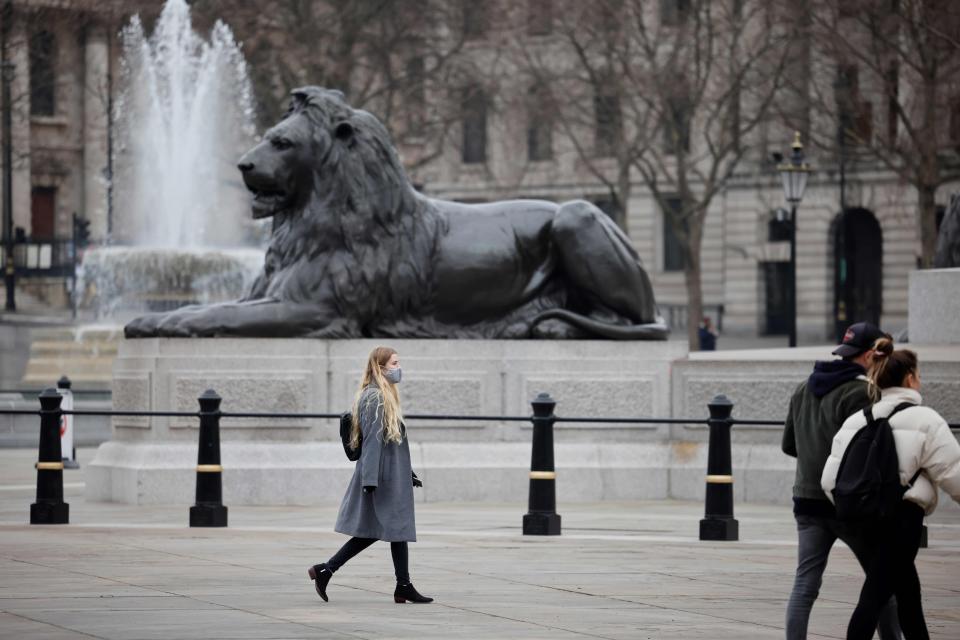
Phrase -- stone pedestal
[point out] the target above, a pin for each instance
(302, 462)
(934, 306)
(298, 461)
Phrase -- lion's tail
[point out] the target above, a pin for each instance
(650, 331)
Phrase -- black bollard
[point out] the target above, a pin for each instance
(542, 518)
(719, 523)
(209, 510)
(50, 507)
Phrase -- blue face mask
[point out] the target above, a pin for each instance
(393, 375)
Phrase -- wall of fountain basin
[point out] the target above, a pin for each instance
(119, 282)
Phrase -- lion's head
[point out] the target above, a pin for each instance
(324, 148)
(331, 176)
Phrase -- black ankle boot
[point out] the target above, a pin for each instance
(320, 575)
(406, 593)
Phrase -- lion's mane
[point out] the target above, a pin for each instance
(363, 225)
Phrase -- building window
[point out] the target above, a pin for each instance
(475, 19)
(955, 123)
(737, 10)
(540, 125)
(776, 282)
(609, 17)
(416, 93)
(673, 259)
(539, 17)
(43, 207)
(474, 109)
(42, 73)
(732, 120)
(609, 121)
(778, 226)
(674, 12)
(676, 128)
(856, 114)
(892, 85)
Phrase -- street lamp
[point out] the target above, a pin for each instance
(794, 175)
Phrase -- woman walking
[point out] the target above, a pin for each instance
(378, 504)
(928, 456)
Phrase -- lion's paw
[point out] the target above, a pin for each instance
(144, 326)
(202, 325)
(554, 329)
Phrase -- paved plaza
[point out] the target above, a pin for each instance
(619, 571)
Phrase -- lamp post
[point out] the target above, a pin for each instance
(6, 77)
(794, 175)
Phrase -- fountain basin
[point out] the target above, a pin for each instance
(119, 282)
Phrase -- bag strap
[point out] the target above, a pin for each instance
(914, 478)
(900, 407)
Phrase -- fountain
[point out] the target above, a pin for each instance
(183, 233)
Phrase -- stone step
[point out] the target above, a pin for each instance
(57, 347)
(85, 354)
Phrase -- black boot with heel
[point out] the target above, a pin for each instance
(406, 593)
(320, 575)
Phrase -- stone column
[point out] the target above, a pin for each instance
(96, 102)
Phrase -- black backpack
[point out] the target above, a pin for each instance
(868, 480)
(346, 422)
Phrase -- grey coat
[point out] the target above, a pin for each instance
(387, 513)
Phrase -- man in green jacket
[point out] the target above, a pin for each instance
(835, 390)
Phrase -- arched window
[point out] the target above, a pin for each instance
(43, 49)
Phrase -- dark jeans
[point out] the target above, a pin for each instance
(891, 572)
(353, 546)
(816, 535)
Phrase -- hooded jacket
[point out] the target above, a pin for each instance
(923, 440)
(835, 390)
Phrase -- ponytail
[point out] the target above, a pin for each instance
(889, 367)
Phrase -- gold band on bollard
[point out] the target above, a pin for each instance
(720, 479)
(209, 468)
(543, 475)
(49, 466)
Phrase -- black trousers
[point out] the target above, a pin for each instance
(353, 546)
(891, 571)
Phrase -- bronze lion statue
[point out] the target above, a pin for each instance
(357, 252)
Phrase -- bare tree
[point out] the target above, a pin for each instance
(662, 95)
(396, 58)
(887, 89)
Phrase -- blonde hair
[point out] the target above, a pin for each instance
(889, 367)
(388, 400)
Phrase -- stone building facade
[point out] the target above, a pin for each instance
(64, 56)
(65, 64)
(62, 159)
(857, 273)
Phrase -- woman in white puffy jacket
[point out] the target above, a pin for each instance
(924, 444)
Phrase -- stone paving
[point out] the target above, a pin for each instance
(619, 571)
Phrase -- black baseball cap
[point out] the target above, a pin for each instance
(858, 338)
